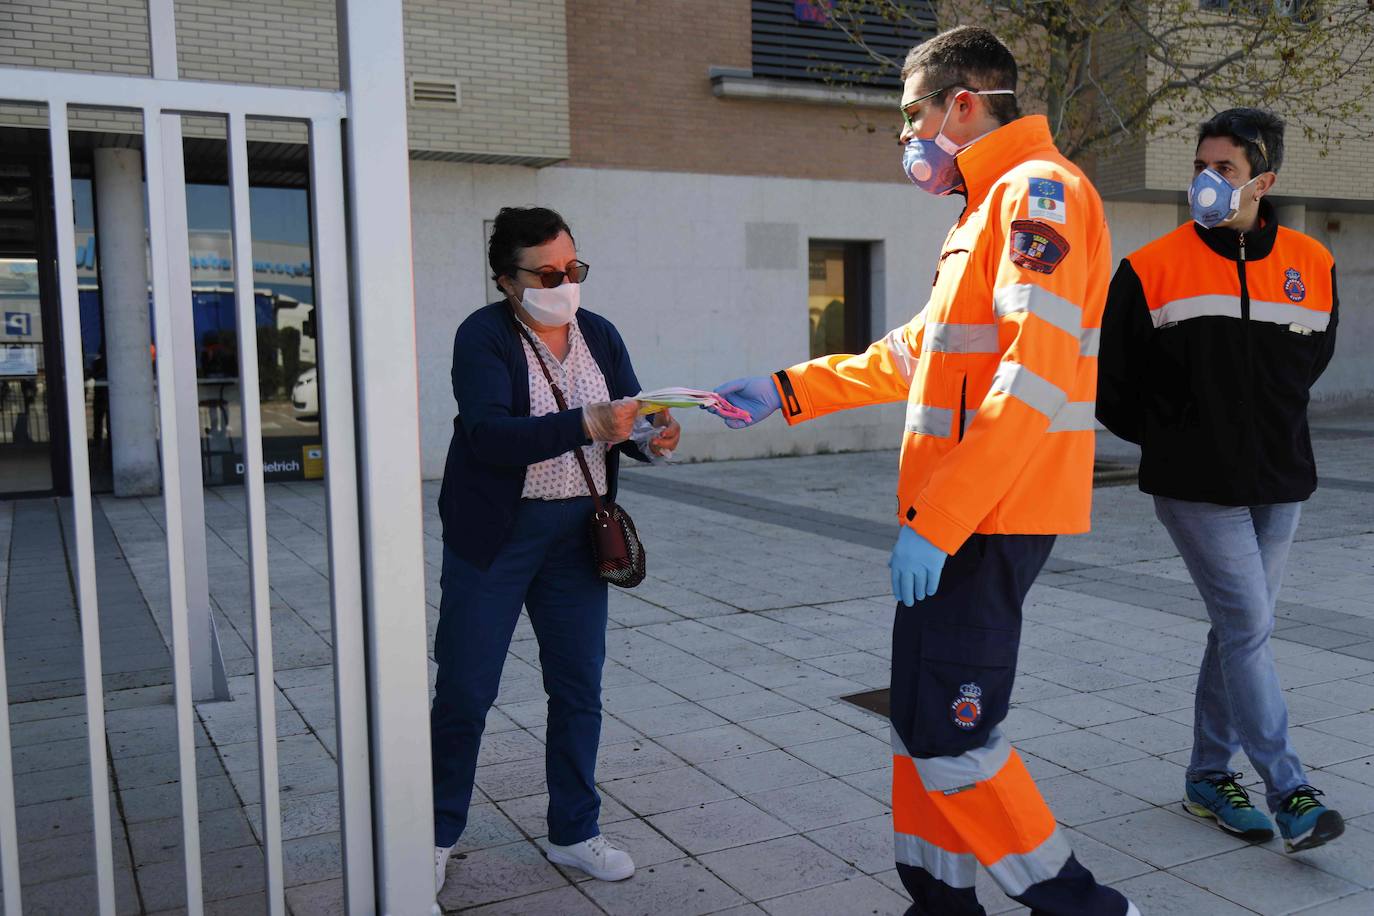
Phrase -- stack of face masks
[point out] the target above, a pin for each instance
(654, 401)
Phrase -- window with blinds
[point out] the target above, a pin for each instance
(796, 40)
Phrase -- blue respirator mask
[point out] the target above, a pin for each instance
(930, 163)
(1212, 200)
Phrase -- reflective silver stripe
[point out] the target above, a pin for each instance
(929, 421)
(1195, 307)
(1075, 416)
(957, 869)
(1017, 873)
(1287, 313)
(1028, 388)
(1229, 307)
(945, 774)
(1088, 342)
(1040, 302)
(898, 746)
(960, 338)
(902, 357)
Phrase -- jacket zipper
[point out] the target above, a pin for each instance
(1245, 319)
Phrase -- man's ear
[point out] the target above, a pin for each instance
(1265, 183)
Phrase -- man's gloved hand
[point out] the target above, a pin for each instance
(916, 565)
(756, 396)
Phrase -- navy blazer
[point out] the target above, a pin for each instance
(494, 437)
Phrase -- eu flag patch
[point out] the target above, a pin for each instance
(1035, 246)
(1047, 200)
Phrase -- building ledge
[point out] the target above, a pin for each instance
(536, 162)
(740, 83)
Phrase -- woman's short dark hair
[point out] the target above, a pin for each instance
(970, 57)
(516, 228)
(1258, 132)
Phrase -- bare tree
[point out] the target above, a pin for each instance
(1110, 71)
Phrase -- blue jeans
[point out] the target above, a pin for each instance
(546, 565)
(1236, 556)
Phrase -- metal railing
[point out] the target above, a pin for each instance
(372, 470)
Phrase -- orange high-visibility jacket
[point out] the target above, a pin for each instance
(999, 370)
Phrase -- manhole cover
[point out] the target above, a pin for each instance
(875, 701)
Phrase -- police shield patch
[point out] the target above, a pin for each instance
(1035, 246)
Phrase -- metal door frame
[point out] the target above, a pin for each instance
(360, 215)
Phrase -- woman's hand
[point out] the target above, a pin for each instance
(610, 422)
(670, 433)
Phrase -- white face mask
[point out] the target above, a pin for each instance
(552, 307)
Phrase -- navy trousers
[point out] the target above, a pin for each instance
(546, 565)
(953, 664)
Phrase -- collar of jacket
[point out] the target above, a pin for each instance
(1258, 241)
(994, 154)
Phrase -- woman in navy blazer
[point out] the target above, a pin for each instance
(515, 509)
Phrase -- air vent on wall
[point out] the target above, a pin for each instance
(433, 92)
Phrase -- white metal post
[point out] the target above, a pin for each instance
(164, 247)
(209, 681)
(332, 319)
(264, 684)
(81, 505)
(372, 74)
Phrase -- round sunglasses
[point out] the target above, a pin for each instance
(577, 272)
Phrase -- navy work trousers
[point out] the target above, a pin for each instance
(547, 566)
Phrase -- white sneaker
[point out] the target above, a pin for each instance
(1132, 909)
(597, 857)
(441, 854)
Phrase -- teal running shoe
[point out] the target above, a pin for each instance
(1225, 800)
(1305, 823)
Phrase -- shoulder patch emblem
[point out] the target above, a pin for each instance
(1293, 286)
(1047, 200)
(1035, 246)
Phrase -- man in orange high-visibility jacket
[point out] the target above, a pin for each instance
(999, 375)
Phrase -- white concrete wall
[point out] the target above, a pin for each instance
(671, 266)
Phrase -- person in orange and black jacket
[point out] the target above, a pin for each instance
(1212, 339)
(999, 374)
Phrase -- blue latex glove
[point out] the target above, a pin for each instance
(916, 565)
(757, 395)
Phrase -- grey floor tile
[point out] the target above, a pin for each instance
(667, 790)
(673, 719)
(719, 825)
(1154, 779)
(865, 844)
(817, 804)
(1080, 750)
(796, 728)
(682, 887)
(715, 743)
(561, 901)
(858, 753)
(760, 772)
(499, 873)
(1354, 905)
(1265, 881)
(1077, 800)
(776, 867)
(1162, 894)
(1163, 838)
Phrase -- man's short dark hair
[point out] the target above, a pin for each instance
(520, 227)
(970, 57)
(1258, 132)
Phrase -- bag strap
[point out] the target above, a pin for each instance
(563, 405)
